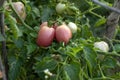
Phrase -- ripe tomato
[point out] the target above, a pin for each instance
(45, 36)
(63, 33)
(44, 24)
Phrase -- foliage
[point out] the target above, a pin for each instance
(78, 60)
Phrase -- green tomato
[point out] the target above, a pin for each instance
(60, 7)
(73, 27)
(103, 46)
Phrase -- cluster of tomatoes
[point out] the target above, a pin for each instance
(46, 34)
(61, 33)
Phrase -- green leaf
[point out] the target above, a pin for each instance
(47, 12)
(1, 38)
(15, 30)
(33, 34)
(73, 50)
(15, 66)
(30, 48)
(46, 63)
(72, 71)
(117, 47)
(86, 33)
(100, 22)
(16, 59)
(90, 57)
(109, 62)
(19, 43)
(36, 11)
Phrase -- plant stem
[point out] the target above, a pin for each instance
(87, 11)
(58, 72)
(101, 71)
(109, 53)
(114, 40)
(95, 14)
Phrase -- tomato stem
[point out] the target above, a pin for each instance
(101, 71)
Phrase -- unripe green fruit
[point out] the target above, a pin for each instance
(60, 8)
(103, 46)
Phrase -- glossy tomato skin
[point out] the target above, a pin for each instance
(63, 34)
(45, 36)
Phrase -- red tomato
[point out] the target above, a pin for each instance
(63, 34)
(45, 36)
(44, 24)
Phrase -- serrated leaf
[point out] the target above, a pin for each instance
(86, 33)
(90, 57)
(46, 63)
(19, 43)
(14, 70)
(30, 48)
(73, 51)
(36, 12)
(117, 47)
(34, 35)
(72, 71)
(100, 22)
(109, 62)
(15, 30)
(47, 12)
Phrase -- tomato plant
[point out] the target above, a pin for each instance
(50, 58)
